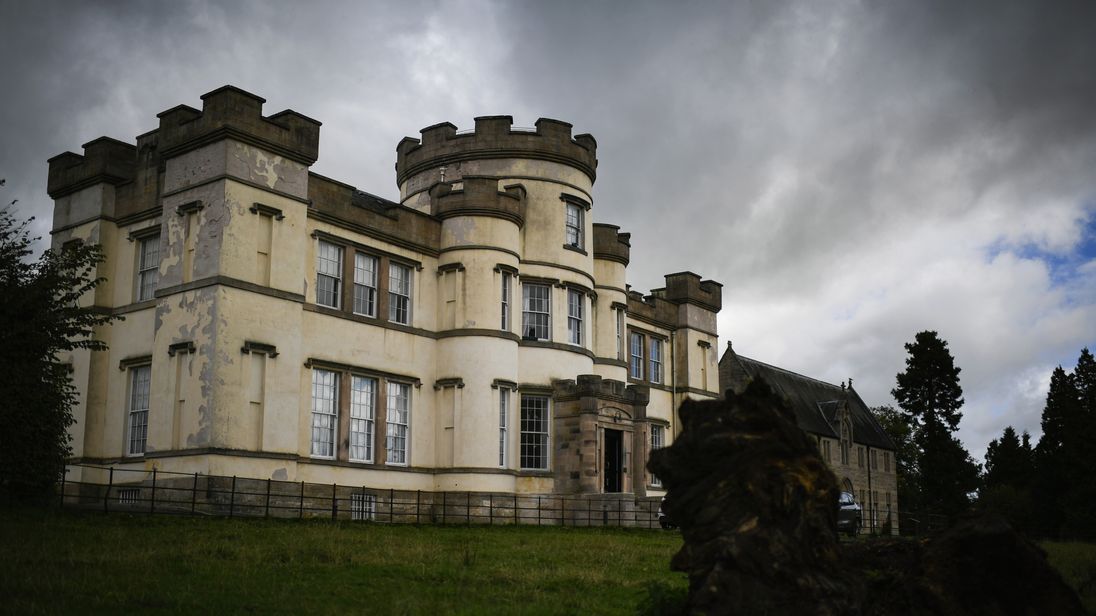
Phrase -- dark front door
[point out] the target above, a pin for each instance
(614, 460)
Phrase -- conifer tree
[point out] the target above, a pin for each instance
(899, 427)
(1008, 477)
(930, 394)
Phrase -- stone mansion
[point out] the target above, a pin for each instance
(478, 335)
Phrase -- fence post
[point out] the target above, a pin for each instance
(152, 497)
(106, 497)
(266, 506)
(194, 495)
(563, 511)
(444, 494)
(515, 509)
(491, 508)
(232, 499)
(538, 511)
(300, 510)
(334, 502)
(467, 508)
(418, 504)
(391, 504)
(619, 523)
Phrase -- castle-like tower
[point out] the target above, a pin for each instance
(478, 335)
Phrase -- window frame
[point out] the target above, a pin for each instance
(147, 274)
(340, 251)
(333, 415)
(574, 226)
(527, 312)
(390, 437)
(540, 450)
(369, 422)
(575, 322)
(507, 298)
(654, 365)
(657, 443)
(504, 426)
(135, 412)
(368, 289)
(394, 294)
(636, 363)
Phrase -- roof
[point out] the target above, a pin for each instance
(814, 402)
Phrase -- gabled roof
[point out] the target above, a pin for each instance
(815, 403)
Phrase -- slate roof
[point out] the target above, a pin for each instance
(815, 403)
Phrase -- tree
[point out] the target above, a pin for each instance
(929, 388)
(899, 427)
(929, 393)
(40, 319)
(1008, 478)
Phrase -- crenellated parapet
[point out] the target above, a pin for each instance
(495, 137)
(688, 288)
(105, 160)
(594, 386)
(479, 196)
(610, 244)
(229, 112)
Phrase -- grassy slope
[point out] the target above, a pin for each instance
(67, 562)
(1077, 563)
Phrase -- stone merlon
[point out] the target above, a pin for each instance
(495, 137)
(233, 113)
(610, 244)
(479, 196)
(592, 385)
(688, 288)
(105, 160)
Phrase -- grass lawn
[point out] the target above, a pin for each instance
(69, 562)
(1076, 562)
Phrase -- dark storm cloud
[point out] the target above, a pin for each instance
(853, 172)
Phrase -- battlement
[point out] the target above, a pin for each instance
(105, 160)
(594, 386)
(478, 196)
(229, 112)
(610, 244)
(688, 288)
(495, 137)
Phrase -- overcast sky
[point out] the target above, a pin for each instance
(852, 172)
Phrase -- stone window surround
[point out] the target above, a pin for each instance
(346, 294)
(139, 237)
(574, 203)
(380, 410)
(646, 335)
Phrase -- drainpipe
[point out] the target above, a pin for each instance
(673, 384)
(871, 501)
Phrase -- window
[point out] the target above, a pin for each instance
(362, 396)
(363, 506)
(325, 404)
(637, 356)
(860, 457)
(657, 442)
(365, 284)
(399, 416)
(148, 267)
(399, 293)
(874, 460)
(139, 381)
(507, 281)
(574, 316)
(845, 438)
(328, 274)
(129, 496)
(826, 450)
(620, 333)
(574, 226)
(656, 361)
(504, 422)
(534, 432)
(536, 311)
(886, 461)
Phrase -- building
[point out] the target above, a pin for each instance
(856, 447)
(478, 335)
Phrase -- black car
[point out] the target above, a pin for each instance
(848, 514)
